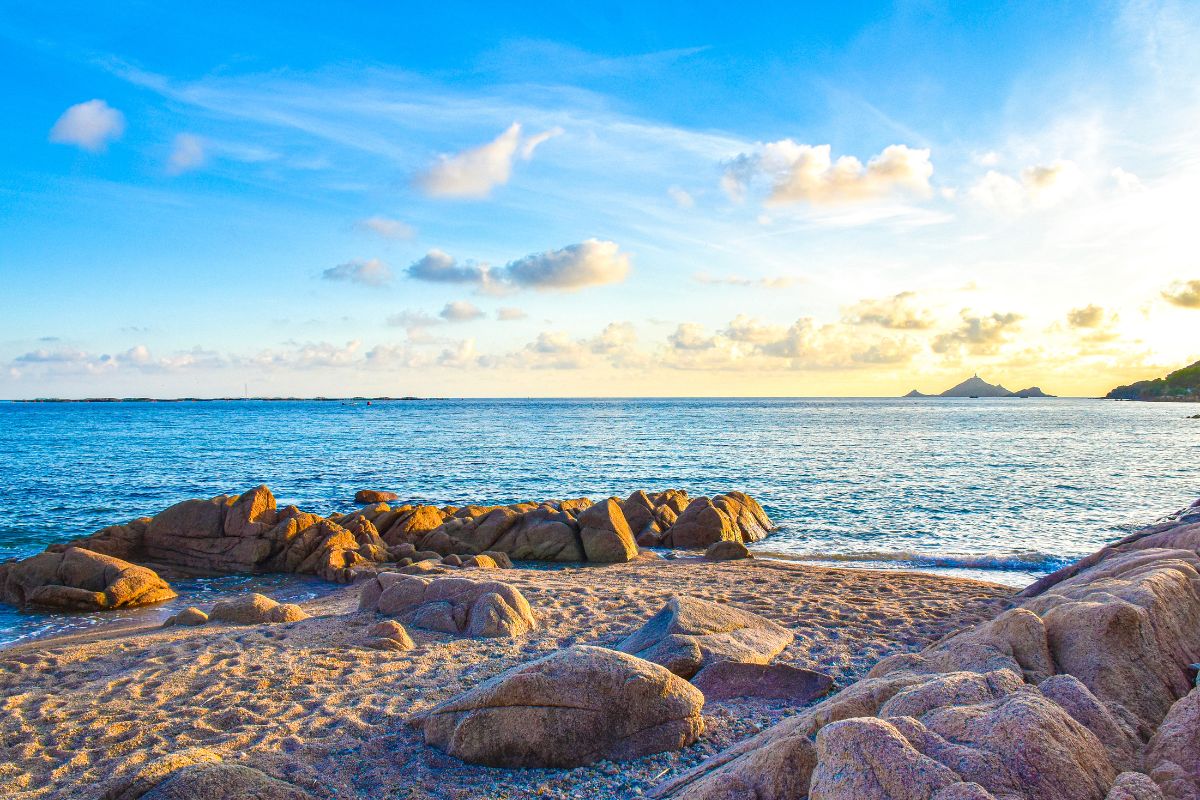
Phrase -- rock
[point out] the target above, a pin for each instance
(725, 680)
(452, 561)
(726, 550)
(414, 523)
(80, 580)
(1134, 786)
(389, 635)
(689, 634)
(452, 604)
(1119, 738)
(155, 772)
(732, 517)
(255, 609)
(1015, 640)
(1173, 754)
(1127, 628)
(190, 616)
(223, 782)
(605, 534)
(501, 560)
(574, 707)
(252, 514)
(369, 496)
(869, 759)
(479, 562)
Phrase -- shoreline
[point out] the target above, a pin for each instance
(200, 686)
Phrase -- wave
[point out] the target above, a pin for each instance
(1026, 561)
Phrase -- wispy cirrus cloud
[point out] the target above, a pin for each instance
(386, 227)
(474, 173)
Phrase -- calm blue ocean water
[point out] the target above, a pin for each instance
(1000, 489)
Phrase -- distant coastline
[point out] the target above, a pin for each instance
(219, 399)
(1180, 386)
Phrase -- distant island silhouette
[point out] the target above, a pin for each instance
(976, 386)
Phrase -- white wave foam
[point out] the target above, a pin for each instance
(1026, 561)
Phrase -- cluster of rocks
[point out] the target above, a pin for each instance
(248, 533)
(1084, 691)
(246, 609)
(583, 704)
(476, 608)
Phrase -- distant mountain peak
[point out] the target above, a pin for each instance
(976, 386)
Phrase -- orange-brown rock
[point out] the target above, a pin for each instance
(604, 533)
(80, 580)
(733, 516)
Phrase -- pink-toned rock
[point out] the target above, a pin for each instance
(689, 634)
(451, 604)
(574, 707)
(1173, 754)
(389, 635)
(868, 759)
(1135, 786)
(726, 550)
(725, 680)
(251, 514)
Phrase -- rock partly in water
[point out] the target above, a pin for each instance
(689, 634)
(371, 496)
(255, 609)
(451, 604)
(733, 517)
(574, 707)
(604, 533)
(80, 580)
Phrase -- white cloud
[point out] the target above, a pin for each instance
(977, 335)
(510, 314)
(1090, 316)
(897, 312)
(589, 263)
(1039, 186)
(461, 311)
(437, 266)
(387, 228)
(91, 125)
(804, 173)
(1125, 180)
(187, 153)
(475, 172)
(691, 336)
(372, 272)
(1185, 294)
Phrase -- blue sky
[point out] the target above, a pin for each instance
(632, 200)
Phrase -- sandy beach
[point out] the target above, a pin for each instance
(305, 702)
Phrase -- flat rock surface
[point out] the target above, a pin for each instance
(308, 704)
(726, 680)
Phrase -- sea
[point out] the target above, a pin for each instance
(1003, 490)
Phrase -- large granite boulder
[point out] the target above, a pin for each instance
(689, 634)
(371, 496)
(80, 580)
(574, 707)
(604, 533)
(734, 516)
(456, 605)
(650, 515)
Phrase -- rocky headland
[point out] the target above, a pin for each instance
(976, 386)
(1182, 385)
(467, 675)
